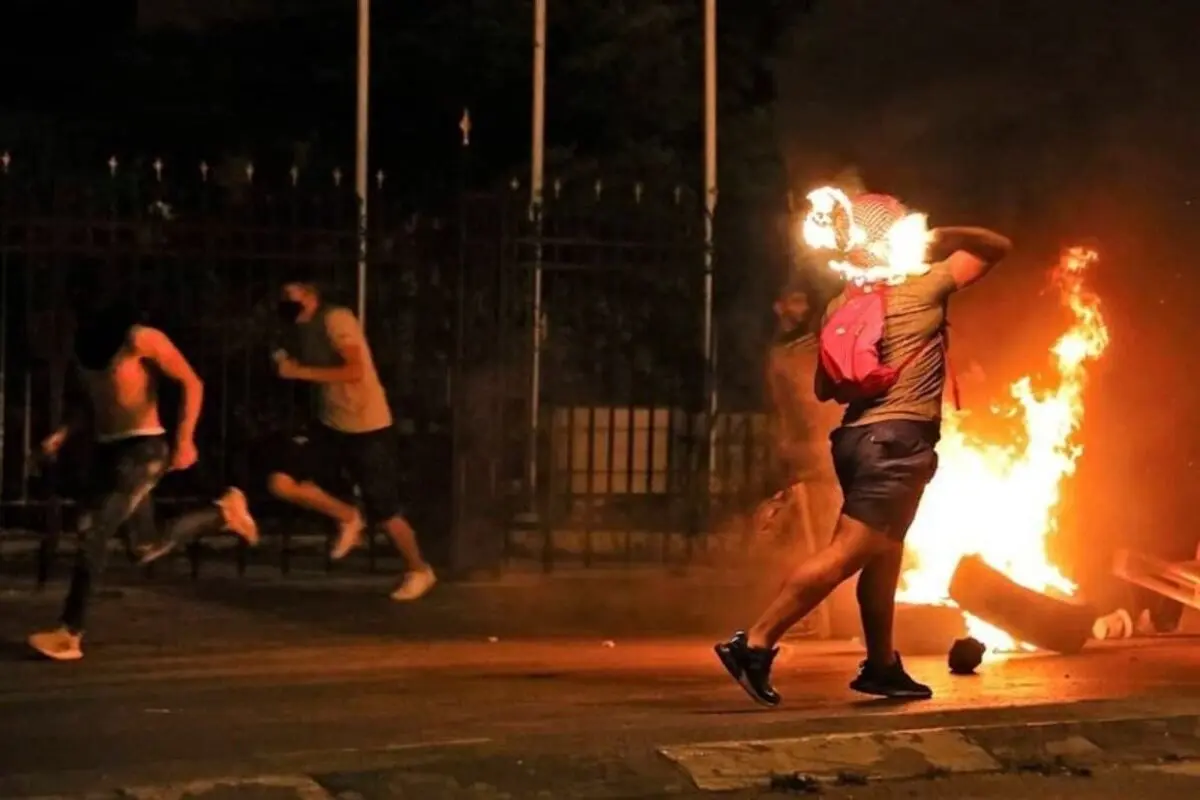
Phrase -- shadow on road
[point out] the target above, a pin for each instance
(17, 650)
(606, 609)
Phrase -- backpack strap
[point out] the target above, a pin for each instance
(951, 373)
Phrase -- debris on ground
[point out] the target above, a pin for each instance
(966, 655)
(848, 777)
(795, 782)
(1050, 767)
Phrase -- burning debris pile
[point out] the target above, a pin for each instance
(980, 538)
(998, 501)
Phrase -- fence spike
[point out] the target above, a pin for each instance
(637, 192)
(380, 176)
(514, 184)
(557, 188)
(464, 125)
(158, 169)
(678, 194)
(599, 188)
(112, 166)
(337, 176)
(204, 171)
(5, 160)
(295, 173)
(249, 172)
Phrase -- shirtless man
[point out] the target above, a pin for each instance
(354, 435)
(117, 363)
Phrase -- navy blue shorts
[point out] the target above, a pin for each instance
(883, 468)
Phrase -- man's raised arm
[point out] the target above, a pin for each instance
(969, 253)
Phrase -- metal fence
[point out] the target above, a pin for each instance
(587, 440)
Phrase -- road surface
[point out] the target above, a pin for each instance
(178, 687)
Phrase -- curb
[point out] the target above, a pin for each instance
(486, 770)
(1047, 748)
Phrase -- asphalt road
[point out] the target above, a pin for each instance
(186, 691)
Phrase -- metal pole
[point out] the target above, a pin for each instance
(360, 149)
(710, 207)
(536, 180)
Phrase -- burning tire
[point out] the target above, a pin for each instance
(1028, 616)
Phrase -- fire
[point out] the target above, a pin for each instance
(998, 500)
(830, 225)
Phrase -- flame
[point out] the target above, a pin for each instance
(900, 253)
(999, 500)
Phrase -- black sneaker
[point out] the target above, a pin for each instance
(750, 667)
(890, 681)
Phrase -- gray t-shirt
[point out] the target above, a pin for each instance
(351, 406)
(914, 325)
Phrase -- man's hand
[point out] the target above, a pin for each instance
(288, 369)
(185, 455)
(53, 443)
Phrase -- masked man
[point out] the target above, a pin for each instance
(354, 433)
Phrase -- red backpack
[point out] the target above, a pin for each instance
(850, 348)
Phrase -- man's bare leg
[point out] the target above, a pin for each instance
(420, 577)
(877, 603)
(815, 578)
(748, 656)
(309, 495)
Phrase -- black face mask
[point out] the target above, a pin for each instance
(102, 334)
(289, 310)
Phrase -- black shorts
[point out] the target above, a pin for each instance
(370, 461)
(292, 454)
(883, 468)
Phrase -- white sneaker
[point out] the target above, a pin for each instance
(148, 554)
(416, 584)
(236, 510)
(59, 644)
(349, 537)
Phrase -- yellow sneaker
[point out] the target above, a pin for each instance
(60, 644)
(238, 519)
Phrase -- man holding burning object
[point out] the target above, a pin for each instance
(883, 356)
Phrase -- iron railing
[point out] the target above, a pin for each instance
(621, 461)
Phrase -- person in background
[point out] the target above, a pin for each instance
(802, 473)
(353, 433)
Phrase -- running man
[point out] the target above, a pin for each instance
(884, 457)
(117, 362)
(354, 434)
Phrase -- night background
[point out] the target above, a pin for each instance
(1055, 123)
